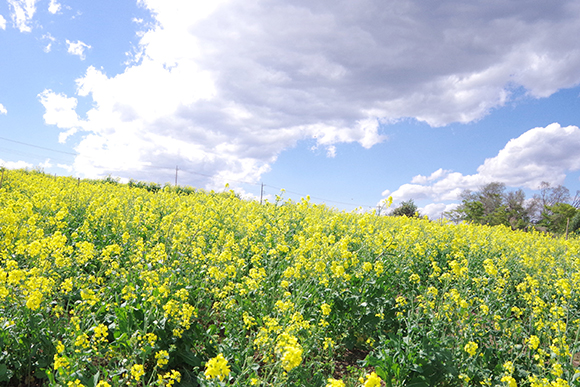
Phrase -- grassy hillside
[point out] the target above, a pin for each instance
(104, 284)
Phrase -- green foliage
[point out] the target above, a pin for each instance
(556, 217)
(575, 223)
(492, 206)
(148, 186)
(407, 208)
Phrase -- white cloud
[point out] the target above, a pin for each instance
(54, 6)
(435, 210)
(50, 39)
(15, 164)
(46, 164)
(77, 48)
(3, 109)
(66, 167)
(224, 91)
(59, 109)
(540, 154)
(22, 12)
(447, 185)
(331, 151)
(2, 23)
(63, 136)
(420, 179)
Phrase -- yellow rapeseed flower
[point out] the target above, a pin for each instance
(471, 348)
(557, 370)
(34, 300)
(373, 380)
(291, 358)
(508, 366)
(217, 367)
(101, 332)
(414, 278)
(137, 371)
(335, 383)
(509, 381)
(60, 362)
(162, 358)
(534, 342)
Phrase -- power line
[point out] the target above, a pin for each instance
(271, 186)
(319, 198)
(32, 155)
(39, 147)
(263, 185)
(201, 174)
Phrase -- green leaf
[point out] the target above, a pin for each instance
(417, 382)
(3, 373)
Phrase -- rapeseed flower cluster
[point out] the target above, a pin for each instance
(471, 348)
(372, 380)
(139, 284)
(217, 367)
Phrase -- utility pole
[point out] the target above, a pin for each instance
(261, 193)
(176, 169)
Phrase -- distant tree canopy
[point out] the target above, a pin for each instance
(408, 209)
(556, 218)
(551, 210)
(559, 213)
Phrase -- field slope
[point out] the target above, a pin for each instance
(105, 284)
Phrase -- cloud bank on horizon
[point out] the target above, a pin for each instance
(224, 87)
(539, 155)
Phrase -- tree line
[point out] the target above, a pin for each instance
(553, 210)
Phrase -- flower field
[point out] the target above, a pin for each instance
(105, 284)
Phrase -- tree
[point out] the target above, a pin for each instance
(552, 195)
(576, 201)
(492, 206)
(473, 211)
(556, 218)
(517, 210)
(575, 223)
(551, 210)
(557, 209)
(408, 209)
(491, 196)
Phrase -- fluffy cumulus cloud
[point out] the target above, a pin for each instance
(60, 109)
(540, 154)
(15, 164)
(435, 210)
(221, 88)
(77, 48)
(3, 109)
(22, 12)
(2, 23)
(54, 6)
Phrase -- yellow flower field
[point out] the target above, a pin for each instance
(106, 284)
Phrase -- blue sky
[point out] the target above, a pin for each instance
(348, 102)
